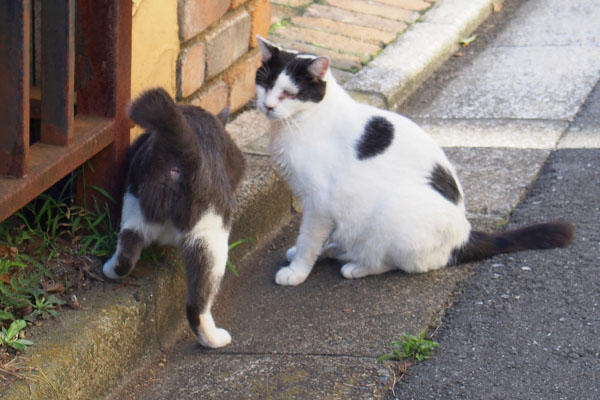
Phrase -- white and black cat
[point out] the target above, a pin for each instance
(181, 179)
(378, 192)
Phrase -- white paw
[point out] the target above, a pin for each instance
(109, 268)
(290, 254)
(288, 276)
(217, 338)
(353, 271)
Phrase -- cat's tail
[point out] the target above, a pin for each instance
(481, 245)
(155, 111)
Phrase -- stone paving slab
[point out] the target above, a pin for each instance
(518, 134)
(226, 376)
(491, 89)
(529, 28)
(495, 179)
(585, 130)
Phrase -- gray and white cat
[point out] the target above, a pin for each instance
(378, 192)
(182, 175)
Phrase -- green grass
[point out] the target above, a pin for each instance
(33, 242)
(411, 347)
(278, 25)
(10, 337)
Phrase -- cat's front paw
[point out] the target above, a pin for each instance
(290, 254)
(217, 338)
(289, 276)
(109, 268)
(353, 271)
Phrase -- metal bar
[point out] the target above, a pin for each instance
(15, 25)
(104, 76)
(58, 71)
(48, 164)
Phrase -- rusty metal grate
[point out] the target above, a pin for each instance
(80, 103)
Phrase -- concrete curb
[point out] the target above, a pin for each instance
(123, 327)
(90, 352)
(403, 65)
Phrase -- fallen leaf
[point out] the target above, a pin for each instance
(467, 41)
(5, 278)
(8, 251)
(52, 287)
(497, 7)
(74, 303)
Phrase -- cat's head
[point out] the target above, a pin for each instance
(289, 82)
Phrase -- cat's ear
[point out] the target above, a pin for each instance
(267, 49)
(319, 66)
(223, 116)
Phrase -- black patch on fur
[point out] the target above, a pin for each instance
(201, 288)
(268, 72)
(310, 88)
(483, 245)
(131, 243)
(376, 138)
(444, 183)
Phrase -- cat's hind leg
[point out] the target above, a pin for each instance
(331, 250)
(353, 270)
(204, 250)
(131, 240)
(129, 248)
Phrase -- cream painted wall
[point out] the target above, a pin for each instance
(155, 47)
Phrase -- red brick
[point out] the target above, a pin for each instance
(260, 13)
(240, 80)
(328, 40)
(192, 60)
(350, 17)
(350, 30)
(213, 97)
(380, 10)
(197, 15)
(415, 5)
(227, 42)
(237, 3)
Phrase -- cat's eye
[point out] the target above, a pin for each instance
(289, 95)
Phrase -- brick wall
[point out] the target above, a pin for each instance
(219, 55)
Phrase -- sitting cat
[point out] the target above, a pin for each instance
(182, 175)
(378, 192)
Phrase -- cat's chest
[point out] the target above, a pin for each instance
(305, 164)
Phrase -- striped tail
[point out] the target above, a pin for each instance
(483, 245)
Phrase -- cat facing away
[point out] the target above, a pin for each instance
(378, 193)
(181, 179)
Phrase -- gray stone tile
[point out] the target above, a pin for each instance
(526, 83)
(550, 23)
(501, 133)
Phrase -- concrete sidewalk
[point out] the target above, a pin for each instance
(526, 325)
(321, 339)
